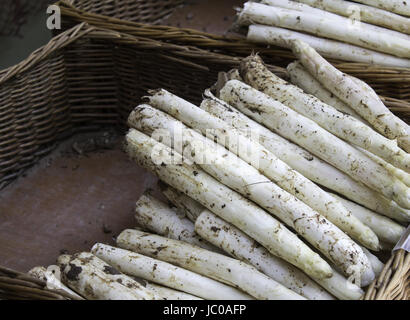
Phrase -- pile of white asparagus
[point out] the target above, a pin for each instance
(371, 31)
(274, 190)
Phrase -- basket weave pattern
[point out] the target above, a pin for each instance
(387, 81)
(152, 11)
(88, 77)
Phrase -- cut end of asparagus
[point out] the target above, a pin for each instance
(38, 272)
(135, 116)
(63, 260)
(234, 74)
(242, 19)
(249, 61)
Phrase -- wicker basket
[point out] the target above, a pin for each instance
(387, 81)
(88, 76)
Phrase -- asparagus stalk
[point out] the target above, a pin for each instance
(336, 18)
(399, 173)
(303, 161)
(377, 265)
(397, 6)
(217, 266)
(358, 96)
(300, 77)
(156, 216)
(311, 136)
(266, 162)
(368, 14)
(245, 179)
(53, 282)
(167, 293)
(190, 207)
(326, 47)
(255, 73)
(160, 292)
(115, 275)
(224, 202)
(307, 82)
(239, 245)
(386, 229)
(94, 284)
(166, 274)
(236, 243)
(343, 30)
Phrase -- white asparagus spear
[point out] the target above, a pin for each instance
(303, 161)
(346, 127)
(377, 265)
(245, 179)
(386, 229)
(266, 162)
(305, 80)
(187, 205)
(336, 18)
(315, 228)
(371, 93)
(159, 292)
(166, 274)
(300, 77)
(53, 281)
(312, 137)
(361, 98)
(217, 266)
(328, 48)
(239, 245)
(399, 173)
(230, 170)
(169, 294)
(115, 275)
(224, 202)
(94, 284)
(365, 13)
(397, 6)
(343, 30)
(158, 217)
